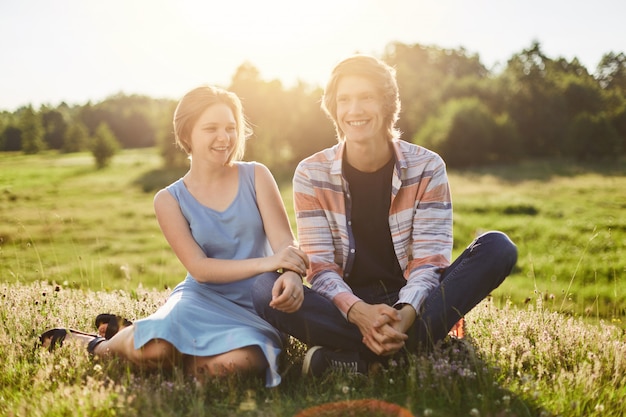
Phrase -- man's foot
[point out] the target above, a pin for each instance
(318, 359)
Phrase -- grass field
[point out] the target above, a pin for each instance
(63, 221)
(75, 241)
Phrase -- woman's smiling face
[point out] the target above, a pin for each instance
(214, 135)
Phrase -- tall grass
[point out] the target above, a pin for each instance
(515, 362)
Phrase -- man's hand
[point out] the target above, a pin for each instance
(407, 318)
(288, 292)
(380, 326)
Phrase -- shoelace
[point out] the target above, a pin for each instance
(345, 366)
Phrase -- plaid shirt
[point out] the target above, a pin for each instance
(420, 221)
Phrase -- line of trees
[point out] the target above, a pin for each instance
(536, 106)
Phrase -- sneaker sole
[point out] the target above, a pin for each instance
(306, 365)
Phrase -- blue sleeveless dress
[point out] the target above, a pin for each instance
(205, 319)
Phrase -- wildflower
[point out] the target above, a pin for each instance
(428, 412)
(249, 403)
(97, 367)
(345, 389)
(168, 385)
(125, 269)
(474, 412)
(466, 373)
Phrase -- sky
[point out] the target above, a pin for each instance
(76, 51)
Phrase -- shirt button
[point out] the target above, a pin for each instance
(352, 251)
(349, 223)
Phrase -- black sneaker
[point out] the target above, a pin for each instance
(318, 359)
(114, 323)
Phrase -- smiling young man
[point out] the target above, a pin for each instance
(374, 215)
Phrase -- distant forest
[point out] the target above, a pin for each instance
(535, 106)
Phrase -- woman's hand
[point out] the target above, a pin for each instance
(288, 292)
(291, 258)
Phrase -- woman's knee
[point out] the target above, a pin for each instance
(155, 352)
(245, 360)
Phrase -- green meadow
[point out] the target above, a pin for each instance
(76, 241)
(64, 222)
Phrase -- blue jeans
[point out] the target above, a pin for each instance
(481, 268)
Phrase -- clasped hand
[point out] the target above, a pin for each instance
(382, 326)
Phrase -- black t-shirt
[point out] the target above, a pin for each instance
(376, 272)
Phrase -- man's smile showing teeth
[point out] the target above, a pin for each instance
(357, 123)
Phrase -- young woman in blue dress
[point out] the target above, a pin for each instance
(226, 223)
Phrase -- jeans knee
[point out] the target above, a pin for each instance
(502, 247)
(262, 290)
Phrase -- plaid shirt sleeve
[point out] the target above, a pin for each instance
(321, 222)
(429, 246)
